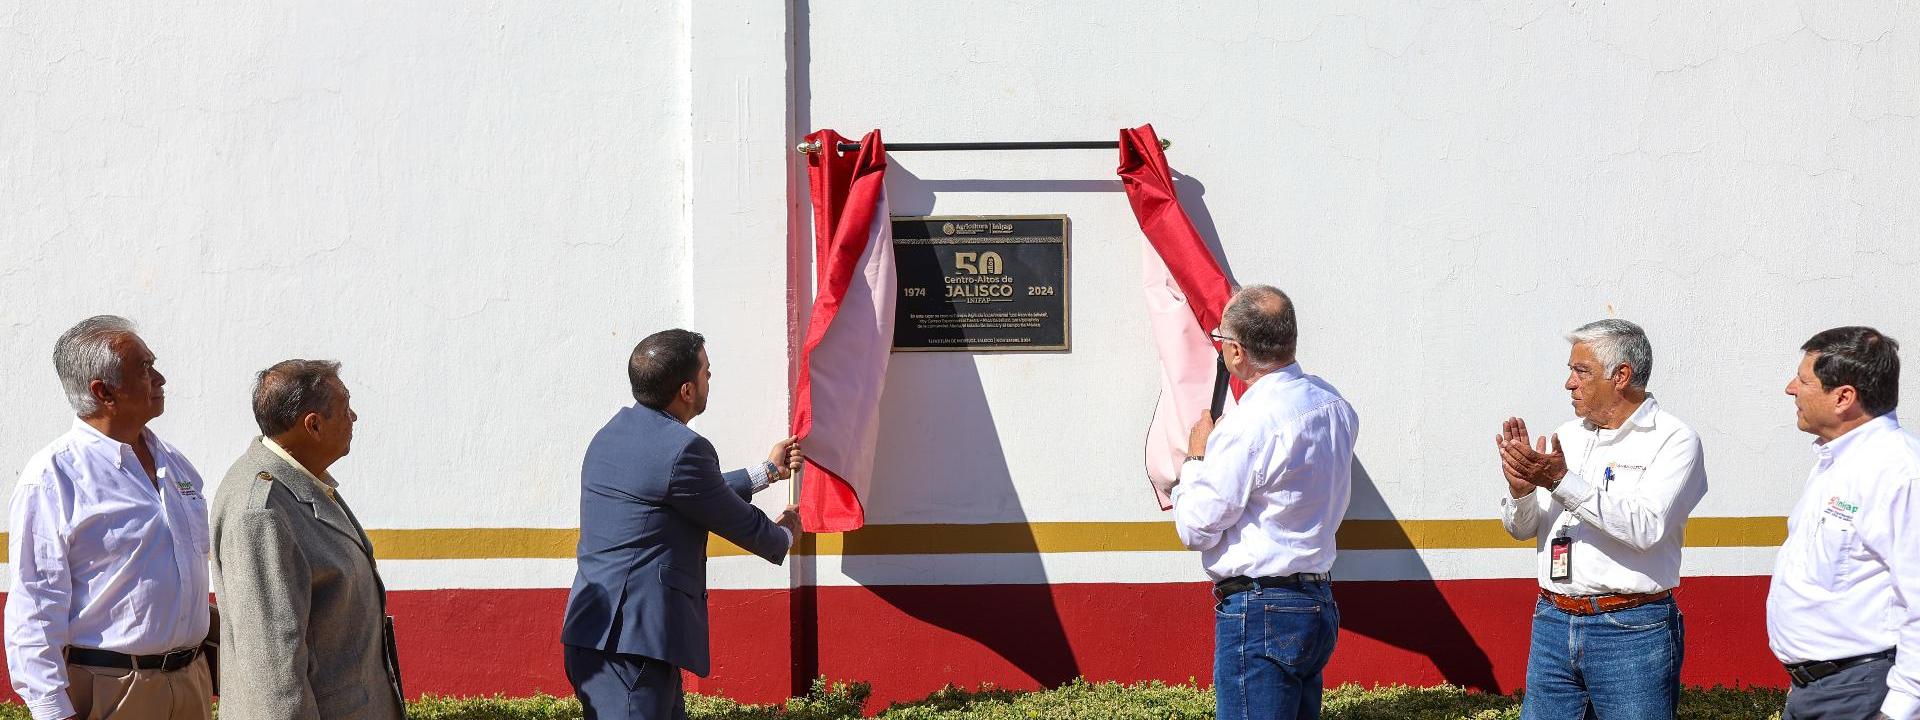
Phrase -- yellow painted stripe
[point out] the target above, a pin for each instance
(1425, 535)
(475, 543)
(1736, 532)
(1035, 538)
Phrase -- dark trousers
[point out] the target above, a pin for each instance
(614, 686)
(1851, 694)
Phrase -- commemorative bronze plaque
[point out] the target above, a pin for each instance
(982, 283)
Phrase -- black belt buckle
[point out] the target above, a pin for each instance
(1806, 674)
(185, 656)
(1232, 586)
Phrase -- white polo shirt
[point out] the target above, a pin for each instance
(1851, 555)
(1624, 502)
(102, 559)
(1273, 489)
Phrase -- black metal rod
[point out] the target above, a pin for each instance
(1219, 389)
(1066, 145)
(847, 147)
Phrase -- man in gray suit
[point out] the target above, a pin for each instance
(304, 632)
(650, 492)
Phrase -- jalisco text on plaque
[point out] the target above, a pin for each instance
(990, 282)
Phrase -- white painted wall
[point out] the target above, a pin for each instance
(1443, 190)
(477, 208)
(480, 209)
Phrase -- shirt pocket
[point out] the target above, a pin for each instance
(1624, 477)
(196, 520)
(1835, 545)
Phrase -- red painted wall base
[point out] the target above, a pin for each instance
(911, 640)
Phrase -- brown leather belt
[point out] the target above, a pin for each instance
(1598, 604)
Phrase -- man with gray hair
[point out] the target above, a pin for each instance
(1606, 507)
(1260, 497)
(305, 633)
(107, 609)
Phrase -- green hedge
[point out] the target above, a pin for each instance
(1153, 700)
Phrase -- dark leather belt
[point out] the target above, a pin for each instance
(1599, 604)
(1241, 583)
(168, 662)
(1806, 673)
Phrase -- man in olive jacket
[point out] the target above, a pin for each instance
(303, 633)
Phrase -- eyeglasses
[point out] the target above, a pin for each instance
(1217, 337)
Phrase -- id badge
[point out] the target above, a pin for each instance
(1561, 557)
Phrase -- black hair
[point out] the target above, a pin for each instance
(663, 362)
(1860, 357)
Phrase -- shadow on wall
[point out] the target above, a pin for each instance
(1419, 619)
(938, 428)
(941, 449)
(1416, 616)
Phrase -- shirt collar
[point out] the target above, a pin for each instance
(1643, 417)
(324, 480)
(1285, 375)
(1830, 450)
(92, 440)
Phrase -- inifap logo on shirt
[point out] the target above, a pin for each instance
(1841, 509)
(185, 486)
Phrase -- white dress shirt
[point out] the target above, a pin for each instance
(1851, 556)
(1624, 502)
(1275, 482)
(102, 559)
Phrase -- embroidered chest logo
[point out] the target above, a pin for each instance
(1841, 509)
(186, 489)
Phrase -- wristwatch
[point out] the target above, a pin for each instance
(1192, 458)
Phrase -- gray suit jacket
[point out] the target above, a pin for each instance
(302, 608)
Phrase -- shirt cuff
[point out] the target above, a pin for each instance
(1572, 492)
(1188, 471)
(52, 707)
(759, 476)
(1507, 500)
(1898, 705)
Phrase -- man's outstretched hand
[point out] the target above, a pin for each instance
(786, 457)
(1538, 465)
(790, 519)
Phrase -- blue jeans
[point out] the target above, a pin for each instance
(1269, 645)
(1621, 665)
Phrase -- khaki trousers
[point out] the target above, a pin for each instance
(99, 693)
